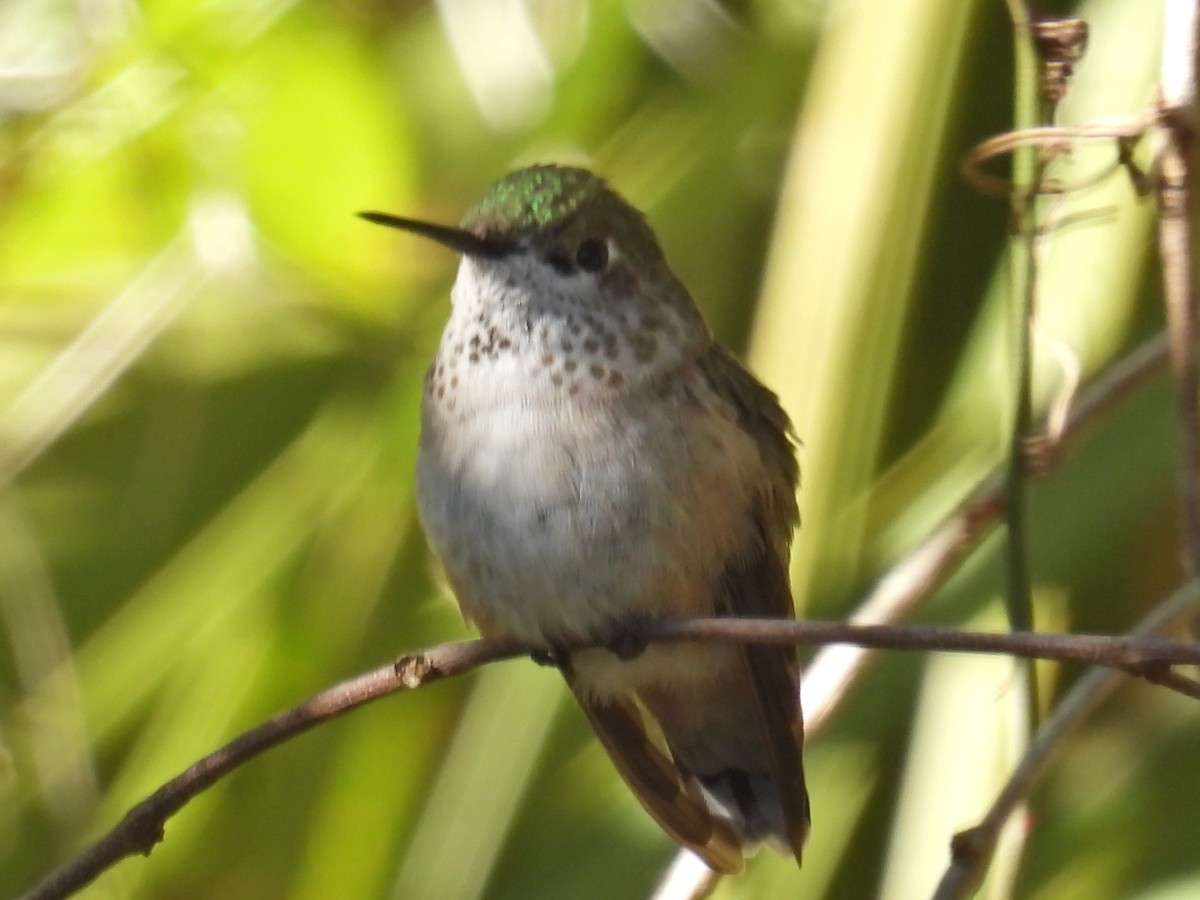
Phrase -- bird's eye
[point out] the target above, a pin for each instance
(592, 255)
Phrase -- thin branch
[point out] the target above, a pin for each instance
(1030, 167)
(971, 850)
(1175, 201)
(1176, 681)
(1042, 46)
(1137, 656)
(142, 827)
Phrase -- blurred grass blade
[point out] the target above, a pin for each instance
(88, 366)
(481, 783)
(840, 276)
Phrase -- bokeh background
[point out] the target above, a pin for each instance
(209, 384)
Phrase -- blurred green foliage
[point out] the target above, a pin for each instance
(209, 386)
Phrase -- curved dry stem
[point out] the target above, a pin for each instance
(1144, 657)
(1054, 140)
(142, 827)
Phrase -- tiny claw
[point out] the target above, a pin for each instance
(627, 642)
(547, 658)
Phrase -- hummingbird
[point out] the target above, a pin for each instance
(592, 460)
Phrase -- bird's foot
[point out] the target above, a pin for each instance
(554, 658)
(627, 641)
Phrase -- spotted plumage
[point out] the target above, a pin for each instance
(591, 459)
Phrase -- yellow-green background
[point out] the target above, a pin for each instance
(209, 384)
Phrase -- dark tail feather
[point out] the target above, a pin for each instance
(673, 798)
(781, 724)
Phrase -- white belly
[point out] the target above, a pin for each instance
(560, 523)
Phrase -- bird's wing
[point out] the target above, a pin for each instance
(756, 584)
(774, 687)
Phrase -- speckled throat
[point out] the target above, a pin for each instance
(550, 344)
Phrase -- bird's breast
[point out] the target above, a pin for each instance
(559, 519)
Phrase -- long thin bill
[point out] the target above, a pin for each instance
(456, 239)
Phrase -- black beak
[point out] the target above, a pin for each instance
(456, 239)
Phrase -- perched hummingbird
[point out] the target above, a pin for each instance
(590, 460)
